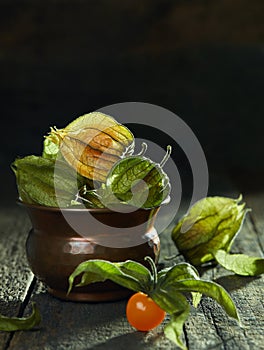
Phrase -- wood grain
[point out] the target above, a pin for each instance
(16, 277)
(69, 325)
(210, 328)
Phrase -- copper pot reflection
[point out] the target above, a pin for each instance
(55, 248)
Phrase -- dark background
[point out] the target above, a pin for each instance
(203, 60)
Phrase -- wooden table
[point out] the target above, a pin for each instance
(69, 325)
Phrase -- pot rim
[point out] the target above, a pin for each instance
(72, 209)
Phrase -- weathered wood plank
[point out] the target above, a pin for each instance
(252, 187)
(68, 325)
(256, 203)
(210, 327)
(15, 274)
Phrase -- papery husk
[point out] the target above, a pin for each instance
(93, 143)
(139, 181)
(211, 224)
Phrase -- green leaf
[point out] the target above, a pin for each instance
(11, 324)
(100, 270)
(211, 224)
(182, 271)
(196, 298)
(165, 288)
(178, 272)
(174, 329)
(211, 289)
(240, 264)
(138, 271)
(176, 305)
(46, 181)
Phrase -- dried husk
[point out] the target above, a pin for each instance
(93, 143)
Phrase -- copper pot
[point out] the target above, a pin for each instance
(60, 239)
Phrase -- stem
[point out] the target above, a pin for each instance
(172, 257)
(144, 147)
(239, 199)
(153, 270)
(167, 156)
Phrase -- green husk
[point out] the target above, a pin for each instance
(139, 181)
(211, 224)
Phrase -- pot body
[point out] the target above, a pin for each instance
(60, 239)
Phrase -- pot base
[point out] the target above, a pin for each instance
(54, 249)
(91, 297)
